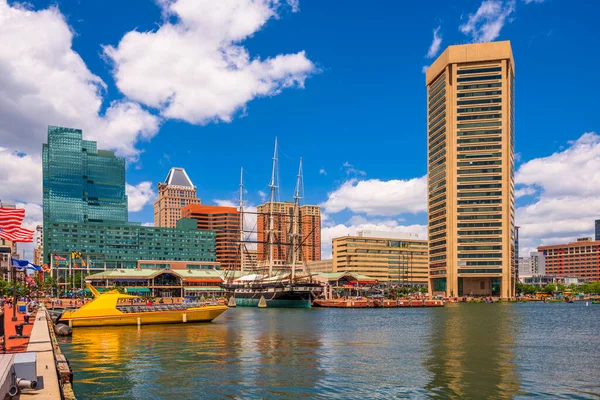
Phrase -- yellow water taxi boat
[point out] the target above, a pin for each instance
(105, 310)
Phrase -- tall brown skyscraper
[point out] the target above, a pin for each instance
(225, 222)
(471, 170)
(175, 193)
(309, 228)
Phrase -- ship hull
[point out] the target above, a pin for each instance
(200, 314)
(276, 296)
(282, 302)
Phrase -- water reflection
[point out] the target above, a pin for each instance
(472, 352)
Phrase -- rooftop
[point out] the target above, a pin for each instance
(178, 177)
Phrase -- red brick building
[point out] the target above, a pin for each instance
(225, 221)
(580, 259)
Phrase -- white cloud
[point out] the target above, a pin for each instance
(574, 171)
(485, 25)
(350, 170)
(568, 183)
(194, 67)
(376, 197)
(425, 68)
(147, 223)
(262, 195)
(322, 171)
(435, 44)
(44, 81)
(20, 177)
(356, 224)
(34, 215)
(139, 195)
(533, 1)
(525, 191)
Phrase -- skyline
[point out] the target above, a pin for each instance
(347, 127)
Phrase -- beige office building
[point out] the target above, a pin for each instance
(396, 259)
(471, 170)
(176, 192)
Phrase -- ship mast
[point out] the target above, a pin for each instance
(273, 186)
(296, 216)
(241, 215)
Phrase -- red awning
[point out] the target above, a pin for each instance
(204, 280)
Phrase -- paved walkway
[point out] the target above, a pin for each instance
(15, 345)
(39, 341)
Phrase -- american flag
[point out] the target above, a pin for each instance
(21, 235)
(11, 218)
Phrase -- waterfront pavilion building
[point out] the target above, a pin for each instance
(471, 171)
(85, 211)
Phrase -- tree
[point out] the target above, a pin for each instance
(560, 287)
(549, 288)
(423, 290)
(50, 284)
(519, 288)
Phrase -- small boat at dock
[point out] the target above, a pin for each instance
(112, 309)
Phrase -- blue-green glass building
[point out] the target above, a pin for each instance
(85, 210)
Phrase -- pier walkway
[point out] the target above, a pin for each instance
(41, 341)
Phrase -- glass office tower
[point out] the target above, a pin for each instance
(81, 183)
(85, 210)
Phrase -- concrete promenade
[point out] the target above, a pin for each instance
(42, 341)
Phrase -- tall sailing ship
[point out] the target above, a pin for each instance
(274, 284)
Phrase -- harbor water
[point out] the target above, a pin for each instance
(476, 351)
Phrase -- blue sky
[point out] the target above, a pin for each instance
(341, 86)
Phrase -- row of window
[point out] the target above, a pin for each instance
(479, 86)
(479, 163)
(483, 186)
(479, 109)
(480, 140)
(473, 117)
(478, 70)
(479, 78)
(478, 101)
(480, 94)
(479, 201)
(479, 240)
(476, 217)
(480, 225)
(479, 209)
(481, 255)
(477, 148)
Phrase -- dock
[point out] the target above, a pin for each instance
(377, 303)
(38, 338)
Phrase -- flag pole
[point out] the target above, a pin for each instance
(14, 278)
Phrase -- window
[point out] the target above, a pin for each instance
(478, 70)
(476, 217)
(479, 124)
(476, 148)
(478, 101)
(478, 78)
(485, 186)
(480, 140)
(480, 132)
(475, 163)
(479, 194)
(480, 225)
(481, 271)
(479, 109)
(483, 116)
(478, 155)
(477, 94)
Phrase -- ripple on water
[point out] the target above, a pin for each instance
(462, 351)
